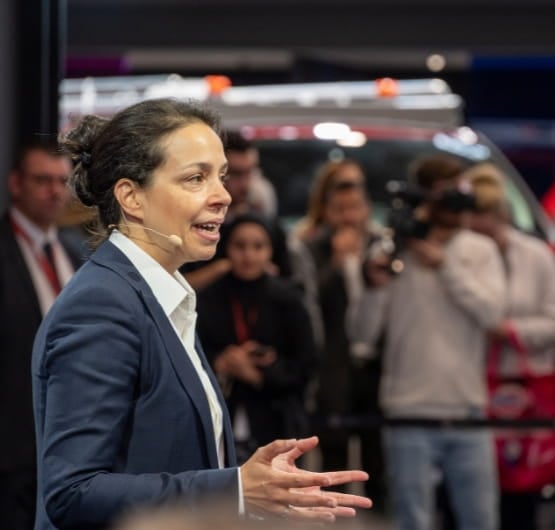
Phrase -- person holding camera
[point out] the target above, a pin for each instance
(434, 317)
(264, 350)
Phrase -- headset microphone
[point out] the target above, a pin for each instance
(173, 239)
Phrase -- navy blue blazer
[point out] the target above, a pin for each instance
(121, 415)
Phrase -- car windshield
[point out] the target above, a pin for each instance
(290, 164)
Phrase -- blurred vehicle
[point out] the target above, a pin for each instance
(383, 125)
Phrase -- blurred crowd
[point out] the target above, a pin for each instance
(374, 337)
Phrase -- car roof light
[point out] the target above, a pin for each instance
(331, 130)
(387, 87)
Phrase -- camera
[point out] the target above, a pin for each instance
(405, 223)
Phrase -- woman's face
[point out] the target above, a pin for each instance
(250, 250)
(186, 196)
(349, 173)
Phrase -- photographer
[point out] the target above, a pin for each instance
(434, 315)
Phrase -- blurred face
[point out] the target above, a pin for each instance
(242, 168)
(350, 173)
(485, 223)
(249, 250)
(186, 197)
(347, 208)
(39, 188)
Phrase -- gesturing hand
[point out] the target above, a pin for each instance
(272, 483)
(346, 503)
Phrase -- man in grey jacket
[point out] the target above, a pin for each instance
(435, 316)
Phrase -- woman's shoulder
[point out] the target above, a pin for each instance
(214, 290)
(283, 290)
(531, 247)
(95, 288)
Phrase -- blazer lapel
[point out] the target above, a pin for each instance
(185, 371)
(110, 256)
(231, 457)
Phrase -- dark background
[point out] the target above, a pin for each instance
(500, 54)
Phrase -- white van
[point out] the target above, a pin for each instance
(383, 124)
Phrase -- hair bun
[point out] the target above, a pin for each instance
(79, 145)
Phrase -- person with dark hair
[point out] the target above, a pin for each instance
(249, 190)
(336, 249)
(264, 350)
(127, 409)
(36, 260)
(434, 317)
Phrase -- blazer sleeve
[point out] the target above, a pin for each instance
(91, 361)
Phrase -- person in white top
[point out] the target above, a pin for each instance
(530, 310)
(434, 317)
(36, 260)
(128, 411)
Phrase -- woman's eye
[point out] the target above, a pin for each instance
(195, 178)
(224, 178)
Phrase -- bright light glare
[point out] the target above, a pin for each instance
(467, 136)
(454, 145)
(435, 62)
(353, 139)
(331, 130)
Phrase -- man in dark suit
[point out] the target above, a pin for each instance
(36, 260)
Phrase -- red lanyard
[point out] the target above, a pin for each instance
(41, 258)
(243, 326)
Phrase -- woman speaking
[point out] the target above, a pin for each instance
(127, 410)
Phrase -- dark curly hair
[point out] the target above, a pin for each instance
(129, 145)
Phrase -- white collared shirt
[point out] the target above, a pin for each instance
(178, 300)
(31, 248)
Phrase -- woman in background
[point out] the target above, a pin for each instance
(264, 351)
(530, 269)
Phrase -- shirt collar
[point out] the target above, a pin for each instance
(170, 290)
(36, 235)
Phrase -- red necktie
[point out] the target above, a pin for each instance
(45, 259)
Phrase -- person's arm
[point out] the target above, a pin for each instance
(475, 279)
(367, 310)
(92, 365)
(207, 274)
(537, 331)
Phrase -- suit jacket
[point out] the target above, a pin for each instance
(121, 415)
(20, 316)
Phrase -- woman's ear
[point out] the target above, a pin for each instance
(129, 196)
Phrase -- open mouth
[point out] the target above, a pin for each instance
(208, 227)
(208, 231)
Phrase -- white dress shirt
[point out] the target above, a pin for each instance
(178, 300)
(31, 246)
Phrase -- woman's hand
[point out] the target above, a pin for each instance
(236, 362)
(261, 355)
(273, 484)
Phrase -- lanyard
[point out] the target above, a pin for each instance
(243, 326)
(43, 261)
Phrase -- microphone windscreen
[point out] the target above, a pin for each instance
(175, 240)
